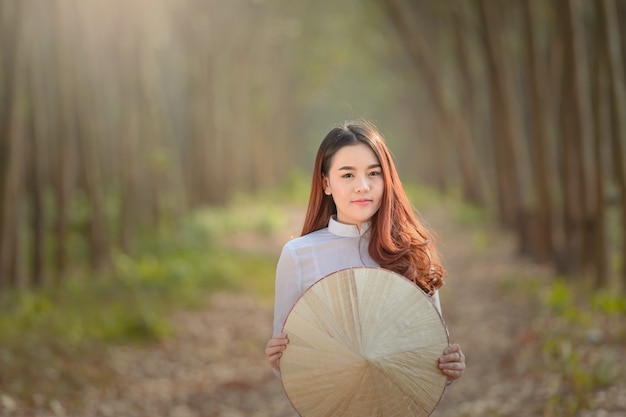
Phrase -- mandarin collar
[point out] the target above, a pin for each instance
(346, 230)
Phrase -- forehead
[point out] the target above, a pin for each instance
(359, 155)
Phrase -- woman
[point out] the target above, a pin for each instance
(358, 215)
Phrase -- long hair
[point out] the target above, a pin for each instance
(398, 240)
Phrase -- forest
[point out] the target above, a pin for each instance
(120, 121)
(135, 114)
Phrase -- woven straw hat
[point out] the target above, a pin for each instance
(364, 342)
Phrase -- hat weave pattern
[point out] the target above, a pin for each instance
(364, 342)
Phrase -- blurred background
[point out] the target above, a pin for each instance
(155, 152)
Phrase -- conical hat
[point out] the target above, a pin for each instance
(364, 342)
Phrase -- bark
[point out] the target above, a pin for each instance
(204, 144)
(599, 90)
(130, 162)
(616, 79)
(129, 209)
(432, 83)
(37, 218)
(473, 192)
(38, 129)
(10, 26)
(10, 239)
(513, 212)
(448, 123)
(64, 161)
(575, 119)
(90, 134)
(542, 227)
(89, 167)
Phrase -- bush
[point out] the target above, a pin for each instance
(52, 338)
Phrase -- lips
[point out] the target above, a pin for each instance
(362, 201)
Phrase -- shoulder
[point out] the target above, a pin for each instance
(311, 239)
(301, 249)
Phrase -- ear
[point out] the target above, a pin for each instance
(326, 185)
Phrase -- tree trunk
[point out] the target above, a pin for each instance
(448, 123)
(599, 91)
(424, 64)
(616, 79)
(473, 192)
(126, 53)
(575, 117)
(10, 238)
(65, 160)
(542, 247)
(10, 26)
(92, 183)
(129, 207)
(510, 189)
(38, 130)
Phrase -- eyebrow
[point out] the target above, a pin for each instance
(349, 168)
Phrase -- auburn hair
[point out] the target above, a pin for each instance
(398, 241)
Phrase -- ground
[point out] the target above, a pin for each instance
(215, 367)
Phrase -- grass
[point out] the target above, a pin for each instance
(578, 342)
(582, 342)
(53, 339)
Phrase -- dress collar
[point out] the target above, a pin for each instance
(346, 230)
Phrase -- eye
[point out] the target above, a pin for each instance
(375, 173)
(347, 175)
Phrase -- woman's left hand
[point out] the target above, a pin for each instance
(452, 363)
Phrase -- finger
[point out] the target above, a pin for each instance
(272, 355)
(277, 342)
(452, 357)
(273, 350)
(452, 349)
(279, 336)
(453, 353)
(274, 361)
(452, 375)
(455, 373)
(452, 366)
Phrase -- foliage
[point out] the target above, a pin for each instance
(422, 196)
(607, 302)
(41, 328)
(467, 214)
(295, 189)
(579, 340)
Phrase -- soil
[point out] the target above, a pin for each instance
(215, 366)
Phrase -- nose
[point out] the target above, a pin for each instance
(362, 185)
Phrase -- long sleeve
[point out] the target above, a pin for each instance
(288, 287)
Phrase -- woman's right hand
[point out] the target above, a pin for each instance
(274, 350)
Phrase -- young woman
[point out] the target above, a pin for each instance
(358, 215)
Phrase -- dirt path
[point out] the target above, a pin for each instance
(215, 364)
(487, 322)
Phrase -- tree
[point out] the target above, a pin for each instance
(542, 242)
(576, 122)
(448, 124)
(615, 69)
(10, 145)
(510, 191)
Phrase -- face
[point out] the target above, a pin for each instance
(355, 182)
